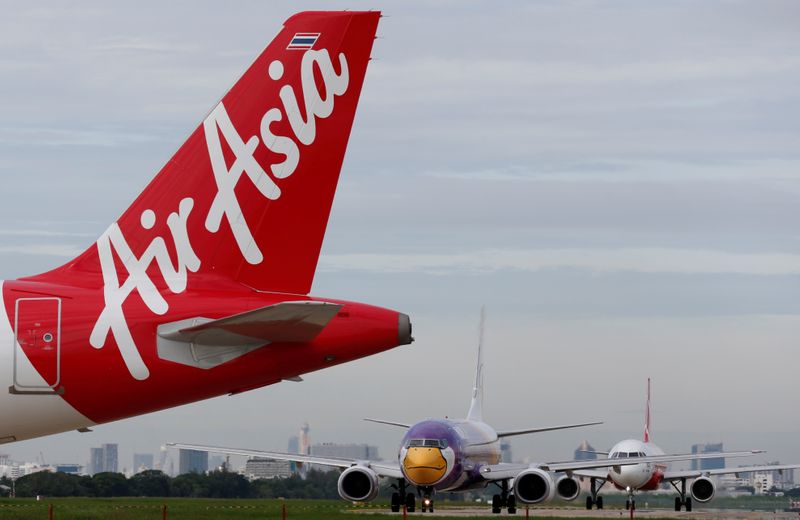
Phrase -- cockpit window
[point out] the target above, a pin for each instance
(427, 443)
(633, 454)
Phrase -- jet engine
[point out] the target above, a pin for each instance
(567, 488)
(533, 486)
(703, 489)
(358, 484)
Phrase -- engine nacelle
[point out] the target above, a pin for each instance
(703, 489)
(533, 486)
(358, 484)
(568, 488)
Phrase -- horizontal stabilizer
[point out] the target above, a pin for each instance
(292, 322)
(510, 433)
(206, 343)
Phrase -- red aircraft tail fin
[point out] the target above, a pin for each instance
(647, 415)
(248, 195)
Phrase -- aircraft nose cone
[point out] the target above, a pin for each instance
(424, 466)
(404, 329)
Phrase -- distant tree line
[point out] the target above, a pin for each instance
(154, 483)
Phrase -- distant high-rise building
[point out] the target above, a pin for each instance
(505, 452)
(103, 459)
(304, 448)
(304, 440)
(142, 462)
(585, 452)
(110, 457)
(73, 469)
(96, 461)
(703, 464)
(192, 461)
(257, 467)
(783, 479)
(293, 447)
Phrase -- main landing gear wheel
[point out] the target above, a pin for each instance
(411, 503)
(395, 502)
(512, 504)
(497, 504)
(594, 499)
(682, 500)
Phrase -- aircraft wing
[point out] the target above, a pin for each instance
(677, 475)
(382, 468)
(509, 433)
(505, 471)
(390, 423)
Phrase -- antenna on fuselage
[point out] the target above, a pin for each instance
(647, 415)
(476, 406)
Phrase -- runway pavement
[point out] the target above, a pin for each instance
(703, 514)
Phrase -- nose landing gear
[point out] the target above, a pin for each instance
(630, 503)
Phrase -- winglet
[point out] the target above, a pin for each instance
(476, 406)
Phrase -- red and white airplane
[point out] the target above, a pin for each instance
(650, 476)
(201, 287)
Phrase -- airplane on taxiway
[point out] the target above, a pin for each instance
(454, 455)
(647, 476)
(201, 288)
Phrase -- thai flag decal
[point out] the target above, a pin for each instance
(303, 41)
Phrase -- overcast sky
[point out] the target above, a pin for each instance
(617, 181)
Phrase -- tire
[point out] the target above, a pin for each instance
(395, 502)
(627, 505)
(688, 504)
(411, 503)
(496, 504)
(599, 502)
(589, 502)
(678, 503)
(512, 504)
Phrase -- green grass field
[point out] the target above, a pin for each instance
(186, 509)
(208, 509)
